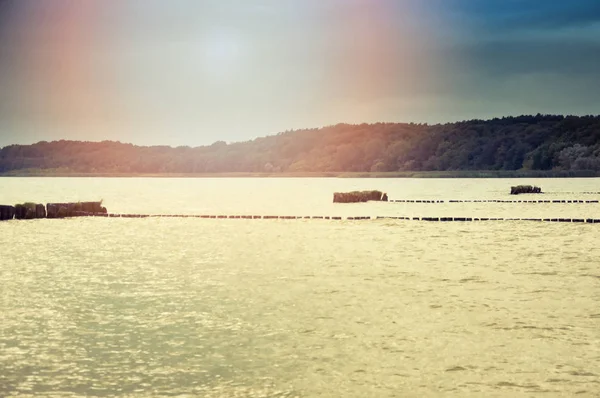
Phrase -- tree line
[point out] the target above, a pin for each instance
(541, 142)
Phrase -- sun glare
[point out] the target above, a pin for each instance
(221, 53)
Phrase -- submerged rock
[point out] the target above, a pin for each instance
(40, 211)
(29, 211)
(62, 212)
(7, 212)
(20, 211)
(75, 209)
(53, 210)
(92, 207)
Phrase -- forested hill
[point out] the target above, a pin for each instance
(514, 143)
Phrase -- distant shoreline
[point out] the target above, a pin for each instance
(539, 146)
(394, 174)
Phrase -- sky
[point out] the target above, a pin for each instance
(192, 72)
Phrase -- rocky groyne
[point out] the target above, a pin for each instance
(359, 196)
(519, 189)
(31, 211)
(62, 210)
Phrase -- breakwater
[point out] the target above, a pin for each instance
(31, 211)
(359, 196)
(430, 201)
(340, 218)
(521, 189)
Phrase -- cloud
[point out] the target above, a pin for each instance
(515, 56)
(506, 15)
(512, 57)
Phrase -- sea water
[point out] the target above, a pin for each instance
(299, 308)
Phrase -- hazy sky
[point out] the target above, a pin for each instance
(191, 72)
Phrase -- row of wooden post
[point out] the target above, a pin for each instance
(350, 218)
(467, 219)
(493, 201)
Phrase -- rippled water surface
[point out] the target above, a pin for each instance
(299, 308)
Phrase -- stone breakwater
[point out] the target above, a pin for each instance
(31, 211)
(519, 189)
(359, 196)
